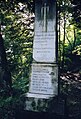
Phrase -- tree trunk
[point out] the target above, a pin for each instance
(2, 54)
(59, 35)
(5, 77)
(64, 42)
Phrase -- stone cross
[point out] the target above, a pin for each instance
(44, 13)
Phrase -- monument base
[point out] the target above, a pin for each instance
(37, 103)
(52, 108)
(55, 105)
(43, 80)
(43, 87)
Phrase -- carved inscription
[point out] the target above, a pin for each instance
(43, 80)
(44, 47)
(44, 74)
(44, 40)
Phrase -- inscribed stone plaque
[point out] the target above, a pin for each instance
(44, 46)
(44, 79)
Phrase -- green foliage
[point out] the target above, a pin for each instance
(69, 34)
(18, 38)
(9, 105)
(17, 30)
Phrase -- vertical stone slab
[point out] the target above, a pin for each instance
(44, 46)
(44, 73)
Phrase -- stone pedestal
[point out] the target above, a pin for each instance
(43, 86)
(44, 70)
(44, 80)
(56, 105)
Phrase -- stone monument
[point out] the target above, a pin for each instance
(44, 70)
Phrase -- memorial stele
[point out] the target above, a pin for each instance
(44, 70)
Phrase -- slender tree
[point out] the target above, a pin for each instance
(5, 73)
(64, 41)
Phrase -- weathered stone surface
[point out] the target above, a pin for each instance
(44, 73)
(55, 105)
(44, 49)
(44, 80)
